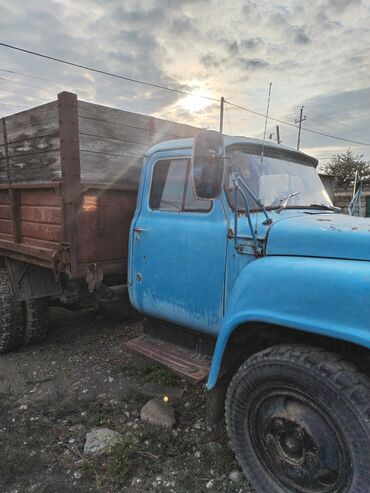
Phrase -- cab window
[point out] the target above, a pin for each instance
(171, 188)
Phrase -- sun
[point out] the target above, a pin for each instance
(195, 101)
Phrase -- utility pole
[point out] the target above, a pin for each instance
(222, 104)
(278, 140)
(301, 119)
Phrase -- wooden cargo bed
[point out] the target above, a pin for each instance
(69, 173)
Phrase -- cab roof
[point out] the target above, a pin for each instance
(256, 144)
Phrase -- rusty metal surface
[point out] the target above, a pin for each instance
(31, 281)
(181, 361)
(111, 268)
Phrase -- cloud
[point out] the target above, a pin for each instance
(301, 37)
(211, 60)
(253, 63)
(315, 53)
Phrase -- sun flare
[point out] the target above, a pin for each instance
(194, 102)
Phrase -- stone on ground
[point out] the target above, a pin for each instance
(235, 476)
(156, 412)
(100, 440)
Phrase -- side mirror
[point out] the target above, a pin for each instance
(207, 164)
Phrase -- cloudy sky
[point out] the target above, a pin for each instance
(315, 53)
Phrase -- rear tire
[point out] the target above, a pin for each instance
(11, 315)
(298, 419)
(37, 320)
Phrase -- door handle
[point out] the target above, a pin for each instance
(138, 230)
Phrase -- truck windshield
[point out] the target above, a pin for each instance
(280, 182)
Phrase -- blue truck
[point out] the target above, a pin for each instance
(251, 281)
(236, 245)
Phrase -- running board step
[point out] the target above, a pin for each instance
(182, 361)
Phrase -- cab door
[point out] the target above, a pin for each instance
(178, 249)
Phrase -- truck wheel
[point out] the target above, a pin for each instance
(11, 315)
(36, 326)
(298, 419)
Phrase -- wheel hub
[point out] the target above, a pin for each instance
(298, 443)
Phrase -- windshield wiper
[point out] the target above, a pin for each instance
(326, 207)
(283, 202)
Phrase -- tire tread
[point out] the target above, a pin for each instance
(354, 385)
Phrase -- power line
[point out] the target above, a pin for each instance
(171, 89)
(11, 104)
(23, 94)
(22, 83)
(295, 126)
(329, 121)
(61, 84)
(110, 74)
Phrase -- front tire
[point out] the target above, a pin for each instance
(298, 419)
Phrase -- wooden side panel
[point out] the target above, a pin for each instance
(110, 168)
(33, 145)
(40, 217)
(103, 221)
(113, 142)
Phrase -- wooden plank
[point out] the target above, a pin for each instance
(49, 232)
(2, 152)
(40, 214)
(44, 166)
(40, 197)
(4, 197)
(5, 212)
(50, 245)
(37, 255)
(36, 122)
(163, 130)
(6, 236)
(111, 146)
(112, 115)
(109, 168)
(99, 128)
(6, 226)
(34, 146)
(3, 172)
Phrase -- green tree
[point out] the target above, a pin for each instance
(344, 167)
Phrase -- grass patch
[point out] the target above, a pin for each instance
(123, 459)
(144, 453)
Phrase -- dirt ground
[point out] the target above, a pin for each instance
(83, 377)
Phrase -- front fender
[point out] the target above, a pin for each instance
(318, 295)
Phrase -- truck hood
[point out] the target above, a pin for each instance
(312, 234)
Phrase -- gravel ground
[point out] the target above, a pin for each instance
(82, 377)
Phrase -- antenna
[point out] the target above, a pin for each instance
(264, 133)
(263, 145)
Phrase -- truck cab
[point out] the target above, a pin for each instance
(249, 277)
